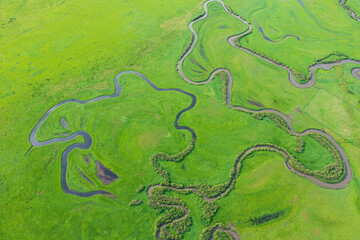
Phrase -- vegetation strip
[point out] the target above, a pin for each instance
(88, 140)
(232, 233)
(208, 232)
(234, 173)
(229, 185)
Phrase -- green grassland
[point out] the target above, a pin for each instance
(62, 50)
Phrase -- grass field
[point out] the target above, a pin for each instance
(347, 115)
(57, 50)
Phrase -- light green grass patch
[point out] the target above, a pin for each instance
(335, 114)
(57, 50)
